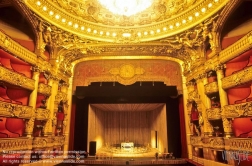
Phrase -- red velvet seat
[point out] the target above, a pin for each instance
(10, 128)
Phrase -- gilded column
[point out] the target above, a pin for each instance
(68, 115)
(205, 104)
(223, 100)
(32, 102)
(49, 128)
(186, 90)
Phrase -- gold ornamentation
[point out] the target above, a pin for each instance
(16, 79)
(15, 144)
(60, 96)
(213, 113)
(14, 110)
(42, 114)
(241, 77)
(227, 125)
(127, 71)
(58, 140)
(42, 142)
(237, 110)
(196, 141)
(44, 89)
(239, 144)
(214, 142)
(211, 88)
(29, 124)
(236, 49)
(17, 50)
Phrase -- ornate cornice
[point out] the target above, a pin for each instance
(16, 79)
(42, 142)
(15, 144)
(193, 95)
(213, 113)
(16, 49)
(44, 89)
(211, 88)
(14, 110)
(42, 114)
(238, 78)
(236, 49)
(237, 110)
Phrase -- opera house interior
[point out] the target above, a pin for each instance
(126, 82)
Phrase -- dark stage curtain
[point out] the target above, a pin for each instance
(182, 128)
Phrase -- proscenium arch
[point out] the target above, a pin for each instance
(171, 59)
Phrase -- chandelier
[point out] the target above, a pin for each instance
(126, 7)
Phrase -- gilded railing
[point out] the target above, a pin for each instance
(16, 49)
(15, 110)
(15, 144)
(213, 113)
(17, 79)
(239, 78)
(196, 141)
(44, 89)
(42, 114)
(242, 45)
(214, 142)
(239, 144)
(211, 88)
(237, 110)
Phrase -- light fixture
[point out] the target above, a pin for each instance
(126, 8)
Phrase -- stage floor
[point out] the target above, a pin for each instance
(109, 153)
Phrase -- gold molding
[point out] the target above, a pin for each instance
(239, 78)
(15, 110)
(42, 142)
(214, 142)
(239, 144)
(58, 140)
(60, 96)
(211, 88)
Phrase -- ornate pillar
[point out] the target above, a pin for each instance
(67, 120)
(223, 100)
(186, 90)
(205, 104)
(49, 128)
(32, 102)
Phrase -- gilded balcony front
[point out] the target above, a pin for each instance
(60, 96)
(16, 49)
(239, 144)
(211, 88)
(214, 142)
(238, 110)
(42, 114)
(236, 49)
(196, 141)
(58, 140)
(213, 113)
(15, 144)
(15, 110)
(42, 142)
(44, 89)
(14, 78)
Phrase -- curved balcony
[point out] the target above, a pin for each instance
(44, 89)
(42, 114)
(15, 144)
(196, 141)
(214, 142)
(239, 144)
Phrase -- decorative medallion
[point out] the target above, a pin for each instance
(127, 71)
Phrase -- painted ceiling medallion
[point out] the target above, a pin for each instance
(126, 7)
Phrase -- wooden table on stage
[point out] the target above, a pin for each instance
(127, 146)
